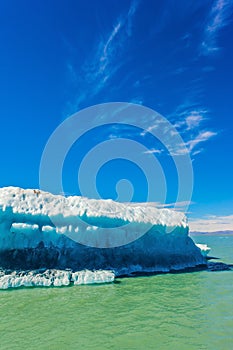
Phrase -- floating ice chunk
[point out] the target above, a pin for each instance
(92, 277)
(204, 249)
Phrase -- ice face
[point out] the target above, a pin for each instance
(38, 229)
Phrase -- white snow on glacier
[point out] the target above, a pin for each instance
(39, 203)
(34, 211)
(42, 230)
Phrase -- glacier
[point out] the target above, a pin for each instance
(41, 230)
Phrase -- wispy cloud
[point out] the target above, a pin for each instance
(98, 67)
(178, 206)
(71, 71)
(131, 13)
(154, 151)
(189, 119)
(179, 150)
(219, 17)
(106, 58)
(189, 126)
(201, 137)
(194, 153)
(193, 120)
(179, 70)
(137, 100)
(212, 223)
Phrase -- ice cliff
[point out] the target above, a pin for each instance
(42, 230)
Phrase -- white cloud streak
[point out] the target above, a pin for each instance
(131, 13)
(212, 224)
(102, 65)
(219, 17)
(178, 206)
(189, 120)
(193, 120)
(154, 151)
(201, 137)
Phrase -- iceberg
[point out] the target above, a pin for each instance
(42, 230)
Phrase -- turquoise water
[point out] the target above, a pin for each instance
(182, 311)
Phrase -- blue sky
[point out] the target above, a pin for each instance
(58, 57)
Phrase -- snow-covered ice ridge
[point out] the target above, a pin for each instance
(39, 203)
(36, 228)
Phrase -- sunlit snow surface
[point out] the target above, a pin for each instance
(41, 230)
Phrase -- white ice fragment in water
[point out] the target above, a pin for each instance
(203, 248)
(92, 277)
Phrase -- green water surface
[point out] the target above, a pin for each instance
(181, 311)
